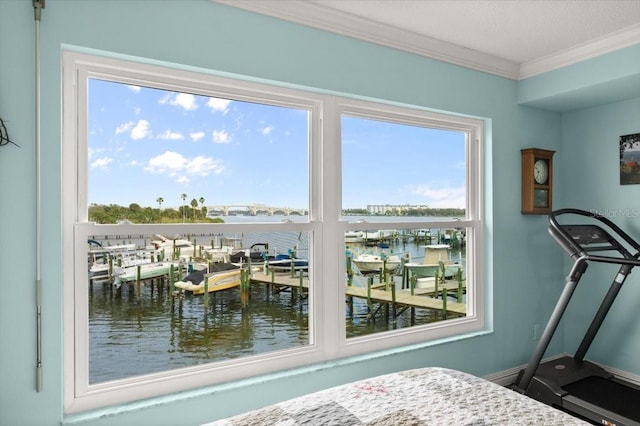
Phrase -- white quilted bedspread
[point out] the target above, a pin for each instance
(426, 396)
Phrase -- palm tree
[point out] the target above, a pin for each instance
(160, 200)
(194, 204)
(202, 205)
(184, 197)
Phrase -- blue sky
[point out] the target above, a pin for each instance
(146, 143)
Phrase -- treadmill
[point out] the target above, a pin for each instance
(570, 383)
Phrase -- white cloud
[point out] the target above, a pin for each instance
(133, 88)
(124, 127)
(91, 152)
(168, 162)
(181, 168)
(185, 101)
(266, 130)
(141, 130)
(101, 163)
(221, 136)
(165, 99)
(441, 196)
(202, 166)
(196, 136)
(217, 104)
(169, 135)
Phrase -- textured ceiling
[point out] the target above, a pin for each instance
(516, 30)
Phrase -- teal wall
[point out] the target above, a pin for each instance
(607, 78)
(591, 180)
(198, 34)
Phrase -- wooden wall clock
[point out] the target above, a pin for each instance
(537, 181)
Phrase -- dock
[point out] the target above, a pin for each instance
(425, 296)
(419, 299)
(428, 297)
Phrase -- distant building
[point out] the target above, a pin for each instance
(383, 209)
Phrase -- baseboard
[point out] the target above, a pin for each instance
(508, 377)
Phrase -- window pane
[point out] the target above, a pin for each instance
(403, 173)
(397, 278)
(161, 157)
(141, 320)
(391, 169)
(172, 157)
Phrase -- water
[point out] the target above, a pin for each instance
(132, 334)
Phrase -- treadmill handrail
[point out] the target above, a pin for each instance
(615, 260)
(558, 232)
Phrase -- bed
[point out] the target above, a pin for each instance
(425, 396)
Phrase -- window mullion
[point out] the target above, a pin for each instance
(332, 290)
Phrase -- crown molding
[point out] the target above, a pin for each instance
(324, 18)
(617, 40)
(338, 22)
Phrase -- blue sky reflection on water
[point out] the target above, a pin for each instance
(145, 143)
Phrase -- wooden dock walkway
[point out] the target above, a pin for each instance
(405, 298)
(281, 279)
(421, 297)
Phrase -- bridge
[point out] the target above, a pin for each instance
(254, 210)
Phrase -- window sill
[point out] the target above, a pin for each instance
(123, 409)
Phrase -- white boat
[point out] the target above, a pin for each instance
(353, 237)
(436, 258)
(227, 276)
(286, 264)
(423, 233)
(368, 262)
(219, 254)
(173, 247)
(375, 236)
(144, 271)
(120, 255)
(100, 269)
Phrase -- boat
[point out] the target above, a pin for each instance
(219, 254)
(374, 237)
(222, 248)
(121, 255)
(144, 272)
(422, 234)
(101, 269)
(220, 276)
(173, 247)
(286, 264)
(353, 237)
(368, 262)
(257, 253)
(436, 260)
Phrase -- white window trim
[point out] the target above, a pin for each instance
(474, 321)
(326, 302)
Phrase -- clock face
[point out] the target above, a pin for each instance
(540, 171)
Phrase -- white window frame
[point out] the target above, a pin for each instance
(473, 129)
(326, 298)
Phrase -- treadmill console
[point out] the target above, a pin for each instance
(587, 234)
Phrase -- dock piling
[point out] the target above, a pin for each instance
(205, 296)
(138, 282)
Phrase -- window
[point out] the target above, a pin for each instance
(215, 228)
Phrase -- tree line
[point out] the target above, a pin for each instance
(113, 213)
(423, 211)
(196, 212)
